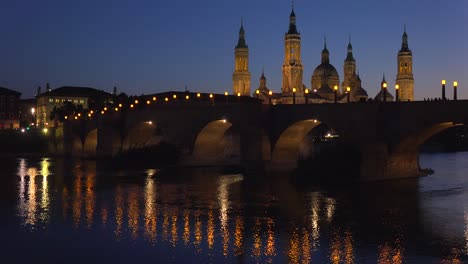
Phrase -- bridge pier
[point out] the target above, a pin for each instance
(378, 163)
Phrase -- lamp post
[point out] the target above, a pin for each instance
(257, 92)
(336, 93)
(348, 92)
(306, 96)
(443, 91)
(270, 94)
(294, 95)
(226, 96)
(455, 85)
(212, 99)
(238, 97)
(33, 110)
(385, 92)
(397, 88)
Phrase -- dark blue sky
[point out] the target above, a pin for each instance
(149, 46)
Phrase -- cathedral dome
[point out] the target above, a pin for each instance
(325, 70)
(325, 74)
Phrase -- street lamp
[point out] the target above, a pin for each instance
(294, 95)
(336, 93)
(306, 94)
(348, 92)
(443, 90)
(455, 85)
(257, 92)
(33, 110)
(385, 92)
(211, 99)
(397, 88)
(270, 94)
(226, 95)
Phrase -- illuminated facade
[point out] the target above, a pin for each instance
(292, 66)
(405, 77)
(50, 99)
(241, 75)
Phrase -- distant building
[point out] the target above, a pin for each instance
(241, 75)
(384, 94)
(27, 112)
(325, 80)
(9, 108)
(405, 78)
(84, 96)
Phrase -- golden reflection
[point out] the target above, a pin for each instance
(31, 204)
(239, 236)
(330, 204)
(90, 199)
(257, 239)
(198, 231)
(306, 246)
(270, 244)
(348, 248)
(224, 204)
(119, 211)
(389, 254)
(186, 235)
(335, 248)
(133, 213)
(22, 188)
(174, 233)
(210, 229)
(150, 209)
(294, 249)
(314, 218)
(165, 224)
(45, 199)
(76, 207)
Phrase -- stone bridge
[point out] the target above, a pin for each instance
(386, 136)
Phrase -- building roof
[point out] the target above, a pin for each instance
(6, 91)
(76, 91)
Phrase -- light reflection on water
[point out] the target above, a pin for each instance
(222, 217)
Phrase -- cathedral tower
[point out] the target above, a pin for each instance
(349, 70)
(405, 71)
(241, 75)
(292, 66)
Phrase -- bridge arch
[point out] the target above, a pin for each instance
(90, 143)
(404, 157)
(142, 134)
(413, 142)
(288, 146)
(210, 142)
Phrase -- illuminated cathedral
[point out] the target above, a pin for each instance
(325, 86)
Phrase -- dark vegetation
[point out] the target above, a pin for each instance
(30, 141)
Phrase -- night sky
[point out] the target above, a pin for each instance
(150, 46)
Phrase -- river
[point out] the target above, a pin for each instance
(72, 211)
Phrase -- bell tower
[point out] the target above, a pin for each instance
(241, 75)
(405, 77)
(292, 66)
(349, 70)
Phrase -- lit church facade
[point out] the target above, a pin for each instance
(325, 86)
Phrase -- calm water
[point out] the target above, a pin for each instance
(82, 212)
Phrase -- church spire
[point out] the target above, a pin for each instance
(292, 22)
(350, 56)
(325, 53)
(404, 42)
(241, 43)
